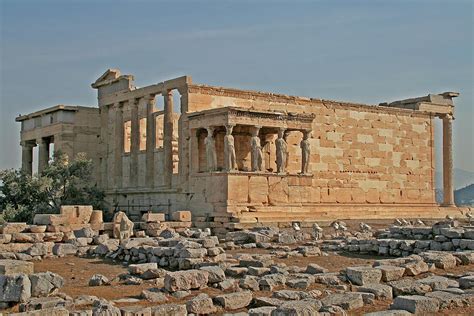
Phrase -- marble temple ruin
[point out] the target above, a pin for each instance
(236, 158)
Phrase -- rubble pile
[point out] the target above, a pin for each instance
(406, 240)
(169, 250)
(188, 271)
(309, 290)
(80, 230)
(19, 284)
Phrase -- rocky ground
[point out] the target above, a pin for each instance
(260, 272)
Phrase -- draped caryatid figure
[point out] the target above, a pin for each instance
(256, 150)
(211, 156)
(305, 152)
(281, 151)
(229, 149)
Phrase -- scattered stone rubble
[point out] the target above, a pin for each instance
(406, 240)
(180, 263)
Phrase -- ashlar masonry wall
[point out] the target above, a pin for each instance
(360, 154)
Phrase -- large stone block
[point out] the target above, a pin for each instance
(363, 275)
(306, 307)
(391, 273)
(466, 282)
(235, 300)
(186, 280)
(45, 283)
(181, 216)
(278, 190)
(77, 214)
(40, 249)
(258, 189)
(169, 310)
(56, 311)
(238, 189)
(416, 304)
(381, 291)
(42, 303)
(408, 287)
(216, 274)
(11, 228)
(9, 267)
(135, 311)
(44, 219)
(15, 288)
(347, 301)
(201, 305)
(61, 249)
(153, 217)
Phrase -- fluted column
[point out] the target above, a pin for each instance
(43, 154)
(27, 158)
(448, 190)
(168, 137)
(150, 142)
(135, 143)
(119, 137)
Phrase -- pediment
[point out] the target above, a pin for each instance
(109, 76)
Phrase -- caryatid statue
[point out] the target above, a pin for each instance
(211, 155)
(281, 151)
(305, 152)
(229, 149)
(256, 150)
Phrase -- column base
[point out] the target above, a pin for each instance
(447, 205)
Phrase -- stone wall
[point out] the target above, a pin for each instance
(359, 154)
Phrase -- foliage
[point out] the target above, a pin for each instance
(62, 182)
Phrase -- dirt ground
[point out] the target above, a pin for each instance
(77, 272)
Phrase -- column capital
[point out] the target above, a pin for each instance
(149, 98)
(448, 116)
(26, 143)
(117, 105)
(210, 129)
(134, 101)
(167, 92)
(41, 141)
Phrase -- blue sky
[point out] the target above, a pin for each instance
(360, 51)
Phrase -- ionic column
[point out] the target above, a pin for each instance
(26, 158)
(135, 143)
(150, 142)
(448, 190)
(43, 154)
(168, 137)
(104, 146)
(118, 150)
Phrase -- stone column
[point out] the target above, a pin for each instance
(448, 190)
(135, 143)
(43, 154)
(150, 142)
(104, 146)
(118, 150)
(27, 158)
(168, 138)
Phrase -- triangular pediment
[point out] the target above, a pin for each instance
(108, 76)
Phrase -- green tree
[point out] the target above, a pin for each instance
(62, 182)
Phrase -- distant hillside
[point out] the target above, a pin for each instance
(461, 178)
(464, 196)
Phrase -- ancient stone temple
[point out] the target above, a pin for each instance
(236, 158)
